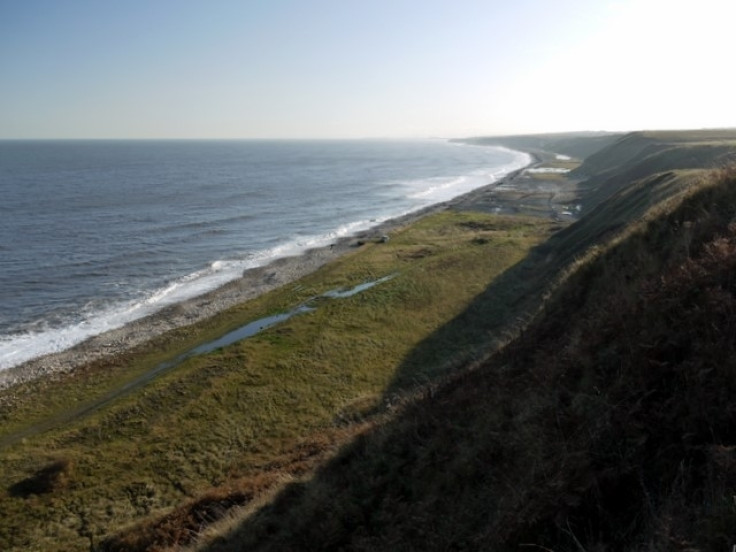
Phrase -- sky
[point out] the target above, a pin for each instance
(362, 69)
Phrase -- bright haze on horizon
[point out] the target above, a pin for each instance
(353, 69)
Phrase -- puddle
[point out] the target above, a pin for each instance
(249, 330)
(341, 294)
(244, 332)
(252, 328)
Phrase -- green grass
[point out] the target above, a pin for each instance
(228, 415)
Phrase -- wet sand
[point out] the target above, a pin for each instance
(253, 283)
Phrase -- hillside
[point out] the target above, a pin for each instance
(641, 154)
(484, 379)
(608, 424)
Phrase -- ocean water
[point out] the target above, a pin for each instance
(96, 234)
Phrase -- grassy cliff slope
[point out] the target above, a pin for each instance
(608, 424)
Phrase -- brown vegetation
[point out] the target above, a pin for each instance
(185, 523)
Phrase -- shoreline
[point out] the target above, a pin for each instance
(253, 283)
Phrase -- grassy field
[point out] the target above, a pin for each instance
(79, 461)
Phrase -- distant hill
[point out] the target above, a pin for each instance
(608, 424)
(574, 144)
(641, 154)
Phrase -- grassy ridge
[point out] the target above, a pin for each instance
(247, 413)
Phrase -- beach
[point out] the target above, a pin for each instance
(253, 283)
(257, 281)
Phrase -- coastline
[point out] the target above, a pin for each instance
(253, 283)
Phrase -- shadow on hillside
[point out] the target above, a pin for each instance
(505, 307)
(498, 313)
(491, 319)
(501, 310)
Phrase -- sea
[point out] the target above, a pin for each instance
(97, 234)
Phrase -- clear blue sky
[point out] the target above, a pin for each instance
(345, 69)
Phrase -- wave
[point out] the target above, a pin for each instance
(439, 189)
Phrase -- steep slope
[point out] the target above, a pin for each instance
(641, 154)
(607, 425)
